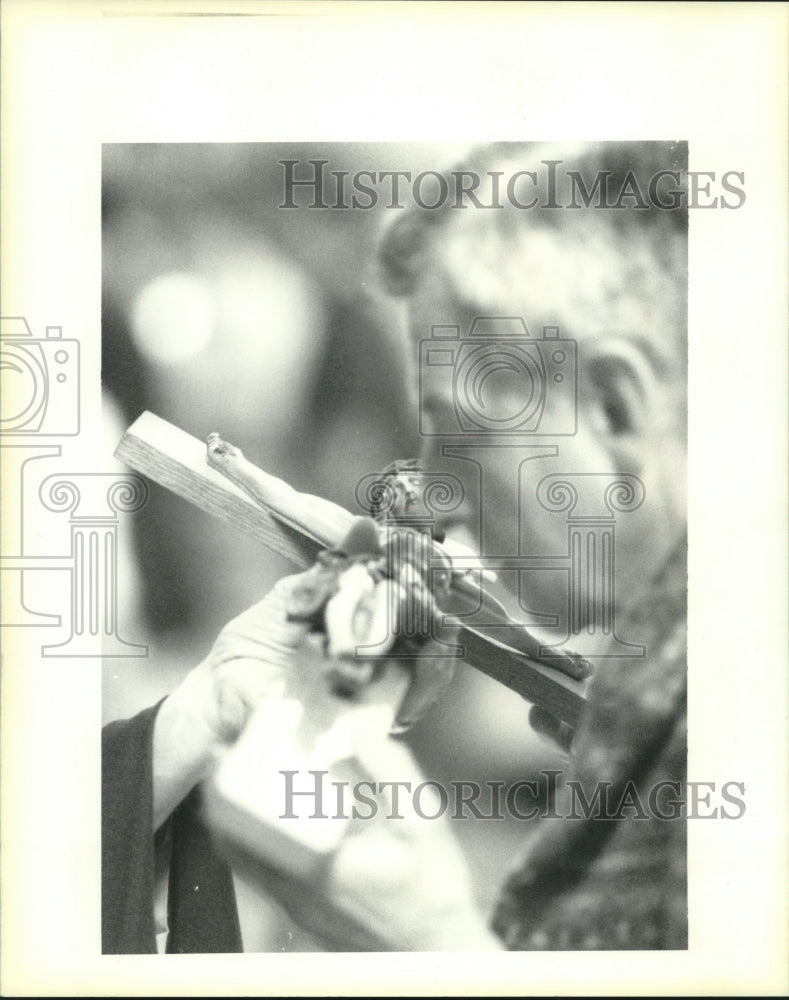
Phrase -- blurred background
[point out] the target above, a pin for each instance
(224, 312)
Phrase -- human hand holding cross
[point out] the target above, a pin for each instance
(264, 658)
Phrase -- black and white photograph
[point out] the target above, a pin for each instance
(380, 598)
(468, 389)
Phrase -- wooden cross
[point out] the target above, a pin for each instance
(176, 460)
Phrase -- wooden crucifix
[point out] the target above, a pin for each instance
(216, 478)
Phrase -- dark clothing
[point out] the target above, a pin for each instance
(617, 883)
(201, 911)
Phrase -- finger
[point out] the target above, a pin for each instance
(568, 662)
(264, 630)
(556, 732)
(242, 684)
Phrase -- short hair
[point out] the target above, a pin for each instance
(401, 466)
(627, 267)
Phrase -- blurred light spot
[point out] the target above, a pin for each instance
(173, 318)
(269, 326)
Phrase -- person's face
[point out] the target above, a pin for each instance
(407, 487)
(507, 516)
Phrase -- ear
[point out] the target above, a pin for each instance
(619, 395)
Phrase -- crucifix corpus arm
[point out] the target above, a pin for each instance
(219, 480)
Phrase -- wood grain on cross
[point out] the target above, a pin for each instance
(176, 460)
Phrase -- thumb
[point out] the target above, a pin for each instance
(556, 732)
(263, 632)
